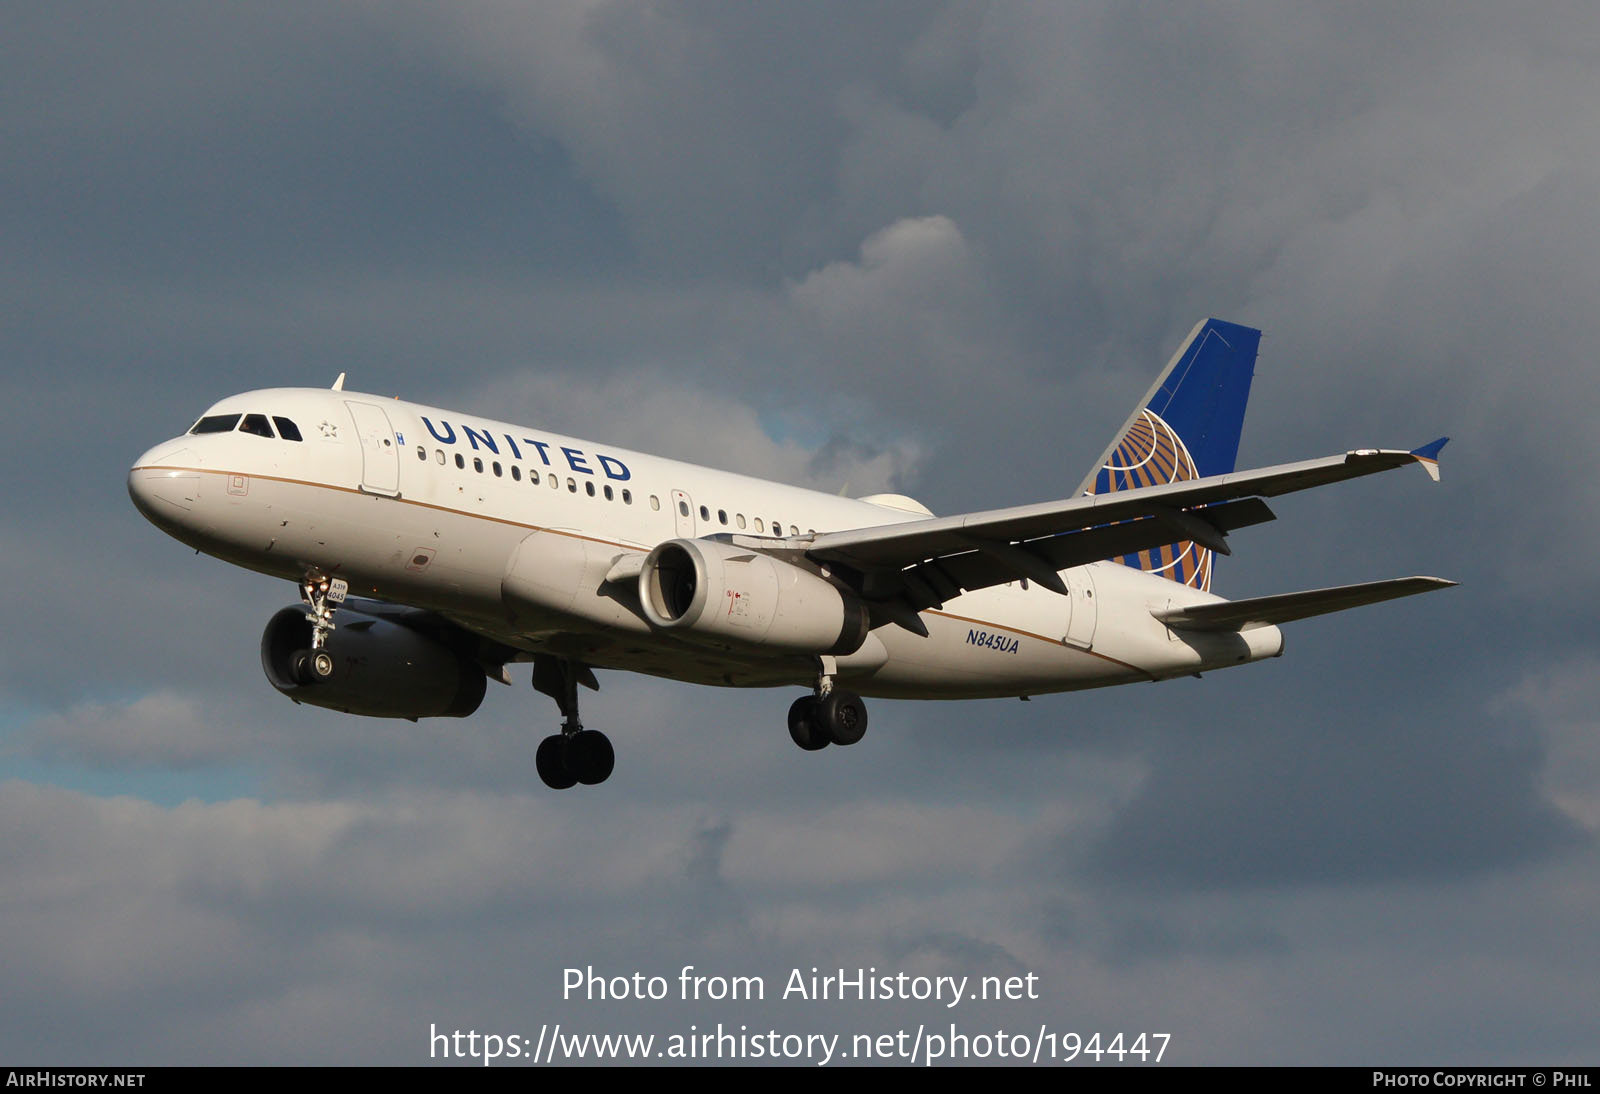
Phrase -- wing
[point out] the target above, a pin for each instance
(904, 568)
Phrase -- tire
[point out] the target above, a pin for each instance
(805, 724)
(551, 760)
(590, 757)
(844, 715)
(300, 667)
(321, 665)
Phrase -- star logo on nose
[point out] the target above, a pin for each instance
(329, 429)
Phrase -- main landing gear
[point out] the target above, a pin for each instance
(575, 755)
(322, 595)
(833, 716)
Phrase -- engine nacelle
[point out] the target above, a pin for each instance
(717, 594)
(383, 669)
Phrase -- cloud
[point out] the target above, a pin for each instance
(912, 309)
(642, 98)
(1560, 700)
(1310, 799)
(162, 729)
(649, 412)
(237, 915)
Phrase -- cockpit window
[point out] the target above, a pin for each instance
(257, 424)
(286, 429)
(216, 423)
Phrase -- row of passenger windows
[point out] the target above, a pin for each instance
(739, 521)
(534, 478)
(494, 467)
(257, 424)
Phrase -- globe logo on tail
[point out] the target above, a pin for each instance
(1152, 454)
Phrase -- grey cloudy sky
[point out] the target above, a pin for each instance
(938, 248)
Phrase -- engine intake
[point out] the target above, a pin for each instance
(717, 594)
(383, 668)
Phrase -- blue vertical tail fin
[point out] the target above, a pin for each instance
(1187, 427)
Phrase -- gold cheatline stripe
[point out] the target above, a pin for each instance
(1030, 634)
(401, 500)
(592, 539)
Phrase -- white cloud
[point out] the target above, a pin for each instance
(162, 729)
(1563, 699)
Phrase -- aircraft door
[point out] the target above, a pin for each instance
(380, 455)
(683, 514)
(1081, 623)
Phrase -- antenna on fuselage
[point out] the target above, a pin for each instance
(338, 385)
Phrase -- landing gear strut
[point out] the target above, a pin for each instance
(831, 716)
(575, 755)
(322, 595)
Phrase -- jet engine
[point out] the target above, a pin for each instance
(717, 594)
(381, 667)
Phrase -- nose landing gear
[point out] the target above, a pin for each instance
(322, 595)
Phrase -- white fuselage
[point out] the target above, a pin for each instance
(510, 532)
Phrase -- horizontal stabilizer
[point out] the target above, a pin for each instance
(1261, 611)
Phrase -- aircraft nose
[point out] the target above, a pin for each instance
(165, 482)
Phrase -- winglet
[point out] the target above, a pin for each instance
(338, 385)
(1428, 456)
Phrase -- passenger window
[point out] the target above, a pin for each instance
(477, 465)
(216, 423)
(683, 508)
(257, 424)
(461, 463)
(722, 516)
(533, 476)
(759, 526)
(287, 429)
(793, 531)
(609, 493)
(516, 473)
(555, 482)
(497, 469)
(705, 514)
(572, 485)
(439, 454)
(589, 487)
(739, 520)
(422, 454)
(627, 498)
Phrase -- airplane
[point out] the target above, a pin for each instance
(451, 546)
